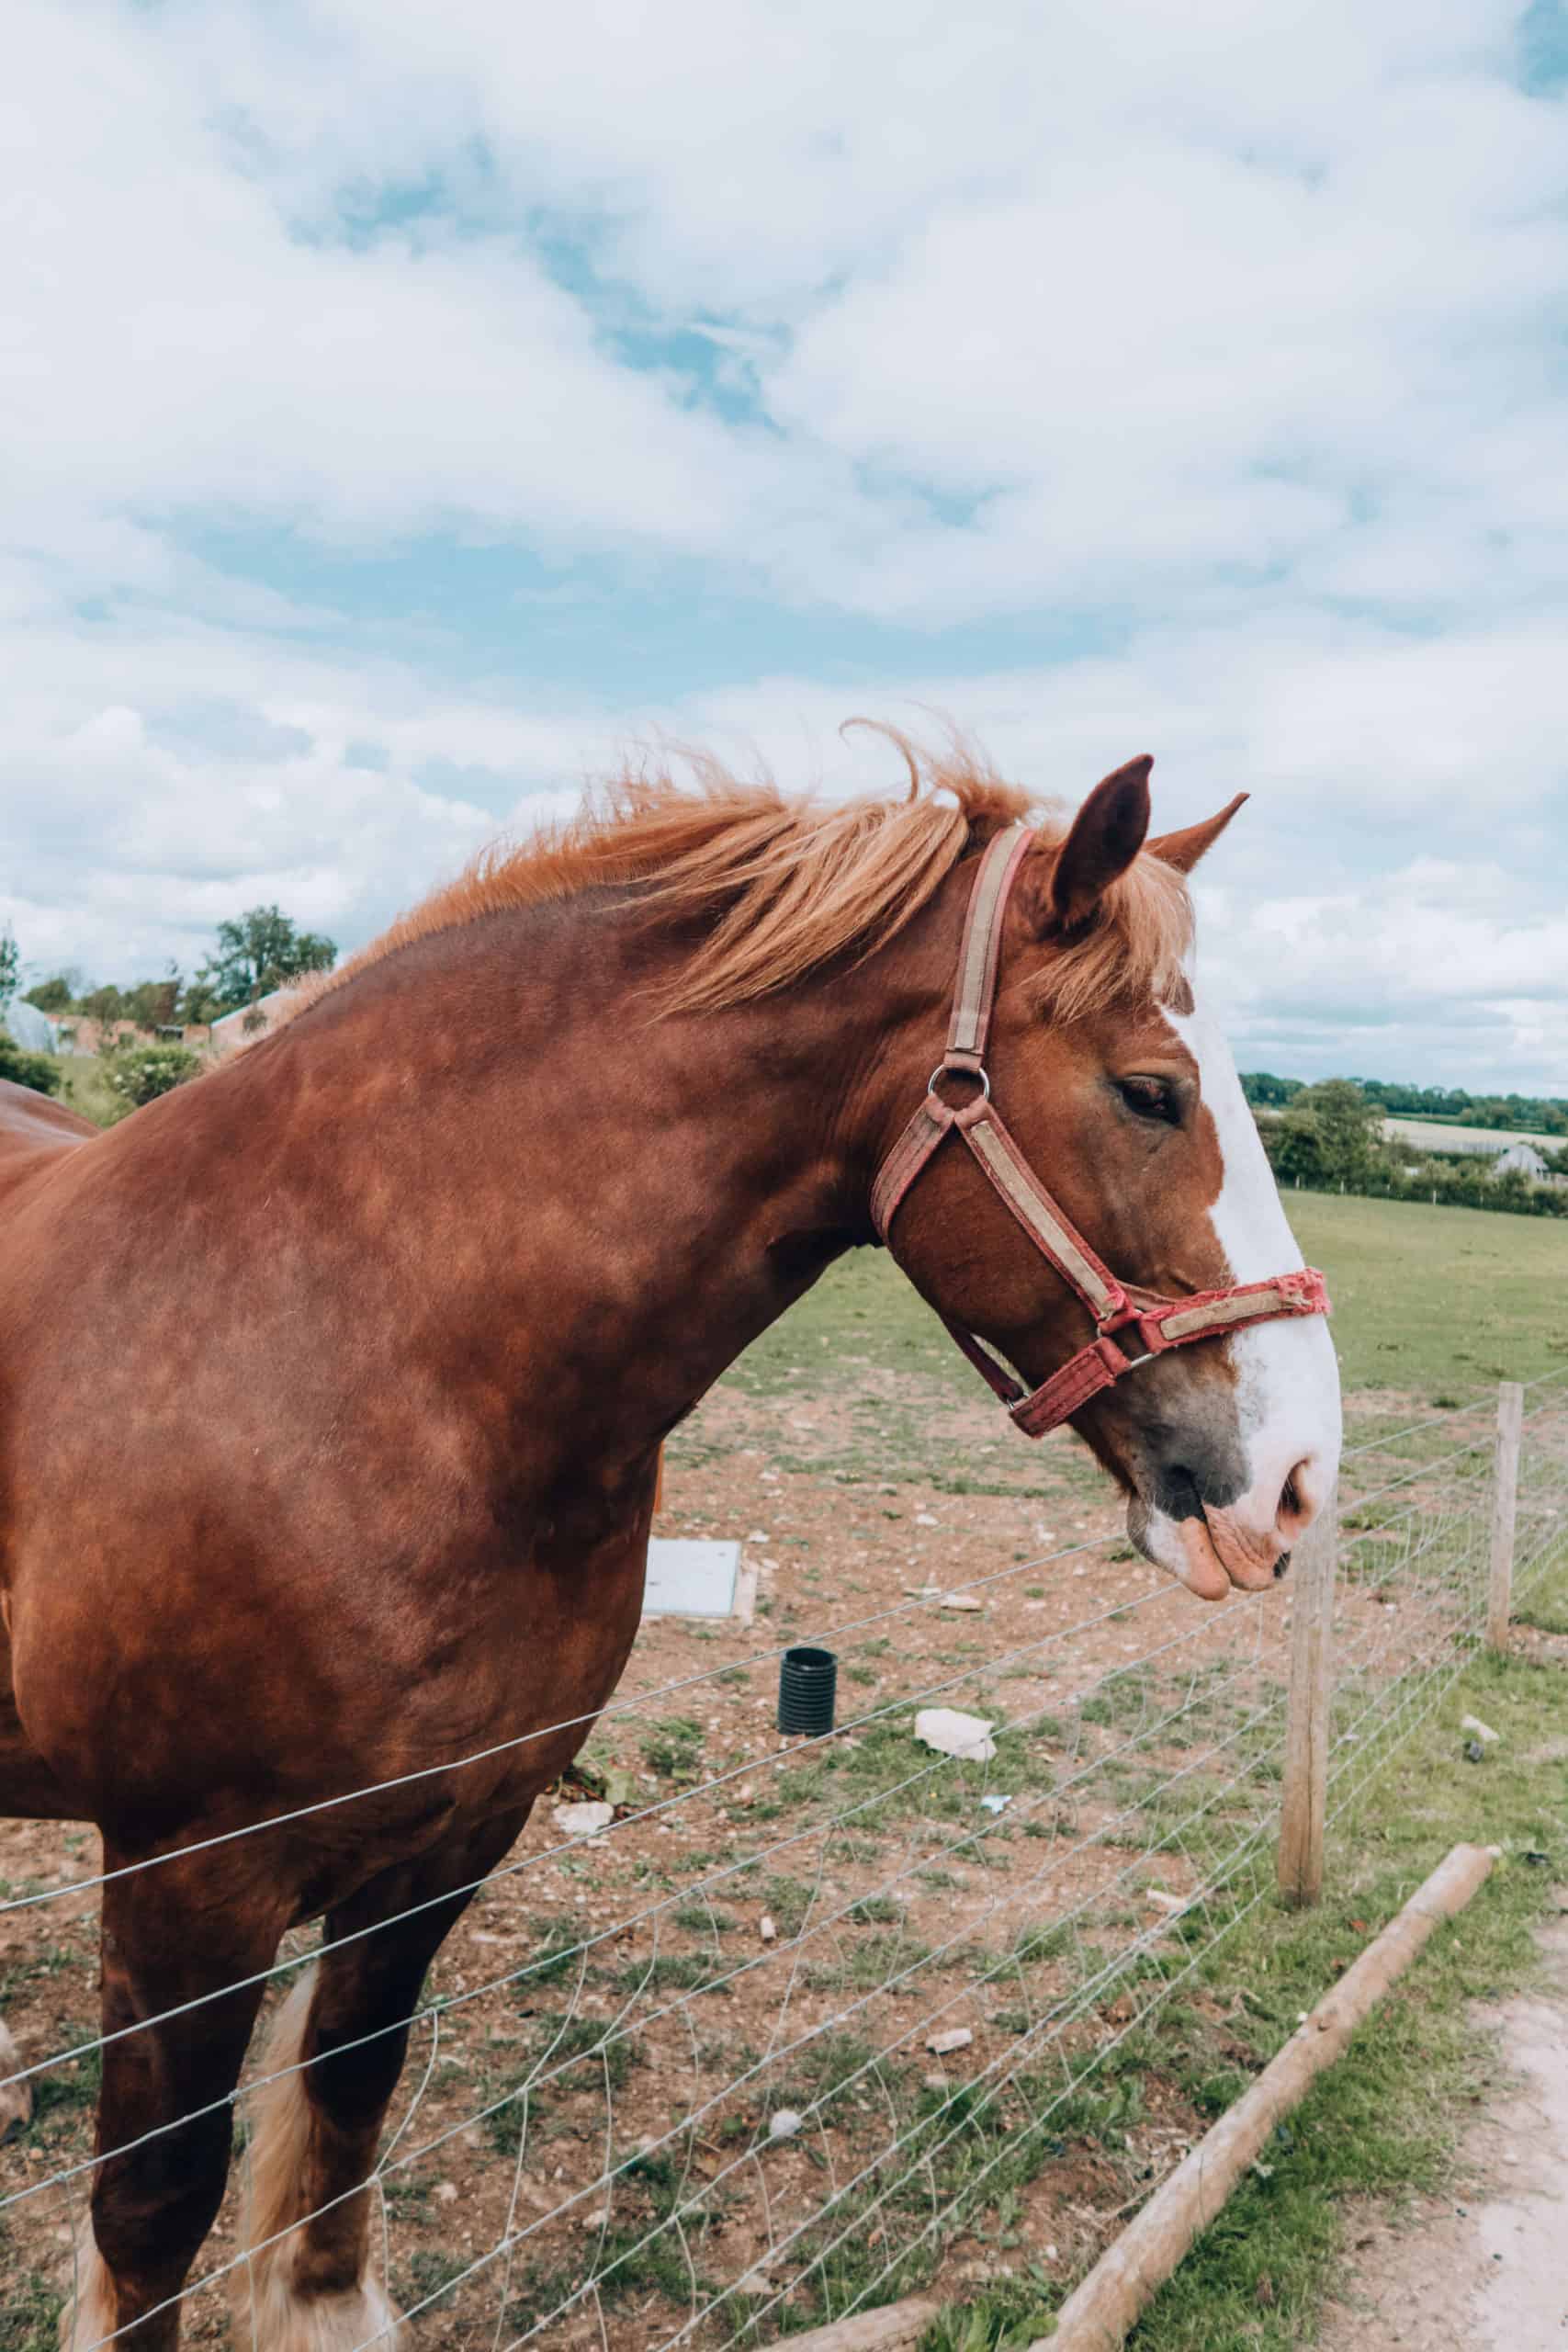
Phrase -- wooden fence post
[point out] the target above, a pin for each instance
(1504, 1507)
(1312, 1567)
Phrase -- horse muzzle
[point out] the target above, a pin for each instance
(1213, 1545)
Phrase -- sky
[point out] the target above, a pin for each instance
(404, 409)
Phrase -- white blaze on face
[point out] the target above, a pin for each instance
(1287, 1379)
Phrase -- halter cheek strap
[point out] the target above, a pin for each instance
(1126, 1334)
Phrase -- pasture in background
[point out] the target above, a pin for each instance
(811, 2026)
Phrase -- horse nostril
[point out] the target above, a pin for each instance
(1297, 1508)
(1281, 1566)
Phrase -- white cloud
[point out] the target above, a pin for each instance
(1234, 333)
(1325, 947)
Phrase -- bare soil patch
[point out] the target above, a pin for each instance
(614, 2027)
(1482, 2270)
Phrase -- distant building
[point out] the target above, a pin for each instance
(29, 1028)
(1526, 1158)
(238, 1028)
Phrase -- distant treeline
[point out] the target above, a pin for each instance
(256, 952)
(1329, 1137)
(1533, 1115)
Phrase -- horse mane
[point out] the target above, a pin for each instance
(784, 886)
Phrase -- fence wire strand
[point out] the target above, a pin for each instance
(721, 2094)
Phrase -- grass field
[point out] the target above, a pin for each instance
(1439, 1301)
(857, 1436)
(1387, 2120)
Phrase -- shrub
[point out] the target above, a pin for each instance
(23, 1069)
(142, 1073)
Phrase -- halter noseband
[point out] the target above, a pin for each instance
(1166, 1322)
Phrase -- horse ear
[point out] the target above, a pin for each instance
(1106, 836)
(1184, 849)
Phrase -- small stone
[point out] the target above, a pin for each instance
(1478, 1730)
(445, 2192)
(767, 1929)
(942, 2045)
(924, 1519)
(961, 1601)
(1160, 1901)
(784, 2123)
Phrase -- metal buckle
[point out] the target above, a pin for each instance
(944, 1069)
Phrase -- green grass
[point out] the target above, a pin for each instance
(1388, 2118)
(1438, 1299)
(84, 1086)
(673, 1748)
(1444, 1298)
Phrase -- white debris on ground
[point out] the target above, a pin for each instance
(584, 1820)
(953, 1733)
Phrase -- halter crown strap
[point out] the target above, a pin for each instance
(1151, 1328)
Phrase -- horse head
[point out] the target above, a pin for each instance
(1146, 1284)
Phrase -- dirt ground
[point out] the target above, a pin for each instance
(586, 2146)
(1485, 2269)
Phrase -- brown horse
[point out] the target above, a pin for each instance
(332, 1390)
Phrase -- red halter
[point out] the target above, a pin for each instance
(1164, 1322)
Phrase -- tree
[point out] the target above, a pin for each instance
(259, 951)
(1327, 1135)
(1265, 1092)
(151, 1004)
(10, 967)
(51, 995)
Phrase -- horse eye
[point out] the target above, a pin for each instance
(1151, 1097)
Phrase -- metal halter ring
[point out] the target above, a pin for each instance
(942, 1069)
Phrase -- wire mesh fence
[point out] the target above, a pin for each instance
(758, 2050)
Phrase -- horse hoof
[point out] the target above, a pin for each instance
(352, 2319)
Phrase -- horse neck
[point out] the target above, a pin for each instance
(614, 1205)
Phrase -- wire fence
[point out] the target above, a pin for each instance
(756, 2052)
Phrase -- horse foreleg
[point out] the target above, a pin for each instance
(172, 1934)
(332, 2064)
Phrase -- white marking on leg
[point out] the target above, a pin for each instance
(91, 2308)
(270, 2311)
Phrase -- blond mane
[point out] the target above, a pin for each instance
(787, 886)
